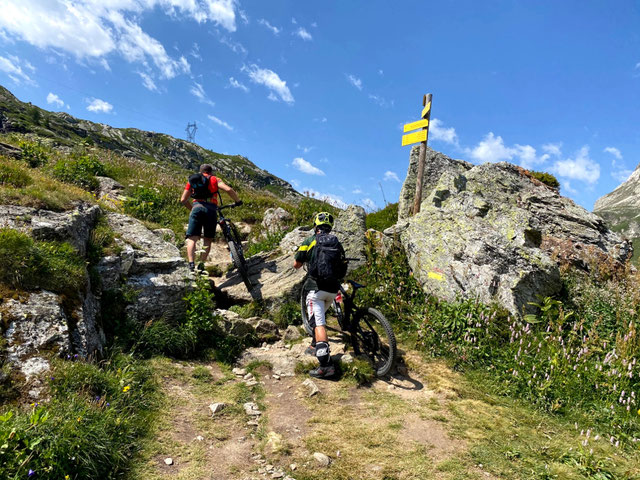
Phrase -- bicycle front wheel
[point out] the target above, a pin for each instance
(240, 263)
(372, 336)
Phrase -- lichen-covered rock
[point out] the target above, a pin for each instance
(436, 164)
(73, 226)
(492, 232)
(350, 228)
(266, 329)
(149, 266)
(275, 220)
(110, 192)
(36, 328)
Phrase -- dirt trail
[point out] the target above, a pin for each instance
(394, 428)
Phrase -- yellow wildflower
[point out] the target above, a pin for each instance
(79, 418)
(126, 389)
(66, 477)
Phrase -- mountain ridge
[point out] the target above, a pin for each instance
(65, 131)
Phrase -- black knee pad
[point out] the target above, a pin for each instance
(322, 353)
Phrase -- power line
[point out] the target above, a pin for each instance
(191, 131)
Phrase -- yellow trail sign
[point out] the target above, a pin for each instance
(416, 125)
(415, 137)
(425, 110)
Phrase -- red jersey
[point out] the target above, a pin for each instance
(213, 188)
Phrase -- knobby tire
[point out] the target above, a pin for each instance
(372, 335)
(240, 263)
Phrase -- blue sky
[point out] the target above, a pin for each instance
(317, 92)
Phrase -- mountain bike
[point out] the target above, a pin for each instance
(370, 333)
(232, 236)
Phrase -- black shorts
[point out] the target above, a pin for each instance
(204, 216)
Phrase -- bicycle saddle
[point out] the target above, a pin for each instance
(356, 285)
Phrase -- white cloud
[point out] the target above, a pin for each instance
(236, 84)
(303, 34)
(220, 122)
(621, 175)
(274, 29)
(355, 81)
(306, 167)
(491, 149)
(552, 149)
(93, 29)
(304, 149)
(15, 69)
(99, 106)
(54, 99)
(614, 151)
(272, 81)
(357, 191)
(148, 82)
(294, 182)
(243, 17)
(380, 72)
(236, 47)
(198, 92)
(369, 204)
(293, 20)
(438, 132)
(321, 120)
(381, 101)
(330, 198)
(579, 168)
(195, 51)
(389, 175)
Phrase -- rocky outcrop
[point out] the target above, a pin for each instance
(621, 208)
(147, 265)
(350, 228)
(492, 232)
(273, 274)
(435, 164)
(275, 220)
(110, 192)
(73, 226)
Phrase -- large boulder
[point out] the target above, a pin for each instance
(494, 233)
(273, 274)
(73, 226)
(350, 228)
(275, 220)
(435, 164)
(148, 265)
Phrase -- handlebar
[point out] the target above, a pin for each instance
(231, 205)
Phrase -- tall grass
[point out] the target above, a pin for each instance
(577, 357)
(90, 427)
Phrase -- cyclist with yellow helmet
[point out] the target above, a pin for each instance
(327, 266)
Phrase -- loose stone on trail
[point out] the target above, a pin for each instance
(168, 461)
(217, 407)
(322, 459)
(313, 388)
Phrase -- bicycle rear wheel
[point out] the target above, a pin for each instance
(371, 335)
(238, 260)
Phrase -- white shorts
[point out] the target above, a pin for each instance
(317, 303)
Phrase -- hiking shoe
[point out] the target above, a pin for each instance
(311, 350)
(323, 372)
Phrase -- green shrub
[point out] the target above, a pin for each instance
(546, 178)
(28, 264)
(90, 427)
(360, 370)
(14, 176)
(33, 153)
(287, 314)
(265, 244)
(80, 170)
(383, 219)
(158, 204)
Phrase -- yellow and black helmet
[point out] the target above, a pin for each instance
(323, 218)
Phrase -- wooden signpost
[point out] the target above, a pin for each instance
(415, 137)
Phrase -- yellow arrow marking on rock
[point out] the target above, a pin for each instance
(435, 276)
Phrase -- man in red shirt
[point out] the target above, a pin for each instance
(204, 189)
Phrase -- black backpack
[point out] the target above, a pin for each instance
(199, 186)
(328, 262)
